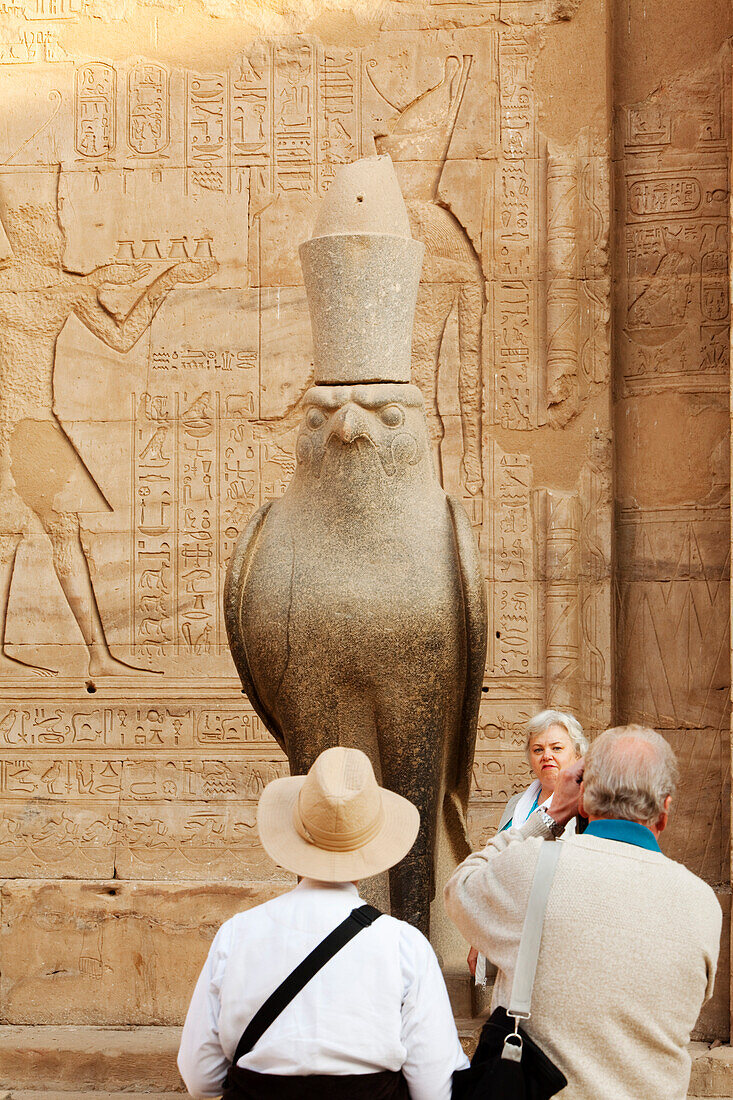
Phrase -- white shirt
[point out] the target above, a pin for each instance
(379, 1004)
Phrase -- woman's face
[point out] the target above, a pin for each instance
(549, 752)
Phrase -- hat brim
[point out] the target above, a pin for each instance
(286, 847)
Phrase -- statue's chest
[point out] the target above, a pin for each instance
(375, 576)
(365, 570)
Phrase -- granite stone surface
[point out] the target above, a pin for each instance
(355, 604)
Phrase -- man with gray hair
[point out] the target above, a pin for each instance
(630, 938)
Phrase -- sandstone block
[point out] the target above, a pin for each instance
(83, 1060)
(109, 953)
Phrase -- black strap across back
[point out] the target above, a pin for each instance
(357, 920)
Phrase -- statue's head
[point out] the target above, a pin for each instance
(346, 429)
(363, 421)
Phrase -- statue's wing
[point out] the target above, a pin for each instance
(458, 780)
(236, 580)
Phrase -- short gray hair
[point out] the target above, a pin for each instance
(572, 727)
(629, 772)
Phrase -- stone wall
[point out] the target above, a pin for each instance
(160, 161)
(672, 433)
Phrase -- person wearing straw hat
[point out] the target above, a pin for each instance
(373, 1021)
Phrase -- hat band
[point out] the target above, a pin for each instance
(337, 842)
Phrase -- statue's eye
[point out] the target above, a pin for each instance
(392, 416)
(314, 418)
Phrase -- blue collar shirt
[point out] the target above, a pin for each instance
(625, 831)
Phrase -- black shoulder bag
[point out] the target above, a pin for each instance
(508, 1065)
(357, 920)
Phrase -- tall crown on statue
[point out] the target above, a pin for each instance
(362, 271)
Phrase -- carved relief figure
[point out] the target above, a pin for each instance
(42, 474)
(659, 311)
(355, 605)
(418, 140)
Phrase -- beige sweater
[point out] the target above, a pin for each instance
(628, 956)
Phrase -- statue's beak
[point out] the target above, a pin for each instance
(351, 424)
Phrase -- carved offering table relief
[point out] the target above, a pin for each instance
(158, 168)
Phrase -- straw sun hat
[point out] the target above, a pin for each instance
(335, 824)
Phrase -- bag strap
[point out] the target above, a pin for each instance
(529, 945)
(357, 920)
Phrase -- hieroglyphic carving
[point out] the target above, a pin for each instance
(204, 359)
(21, 47)
(32, 30)
(198, 448)
(96, 110)
(496, 781)
(65, 839)
(673, 544)
(295, 116)
(251, 115)
(184, 824)
(340, 112)
(562, 605)
(157, 249)
(452, 283)
(674, 625)
(551, 283)
(198, 474)
(594, 578)
(562, 285)
(673, 661)
(154, 490)
(92, 777)
(593, 270)
(514, 645)
(675, 182)
(518, 395)
(206, 126)
(52, 9)
(574, 563)
(148, 108)
(552, 629)
(122, 726)
(58, 499)
(279, 118)
(501, 767)
(239, 482)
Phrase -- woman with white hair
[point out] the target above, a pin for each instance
(554, 741)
